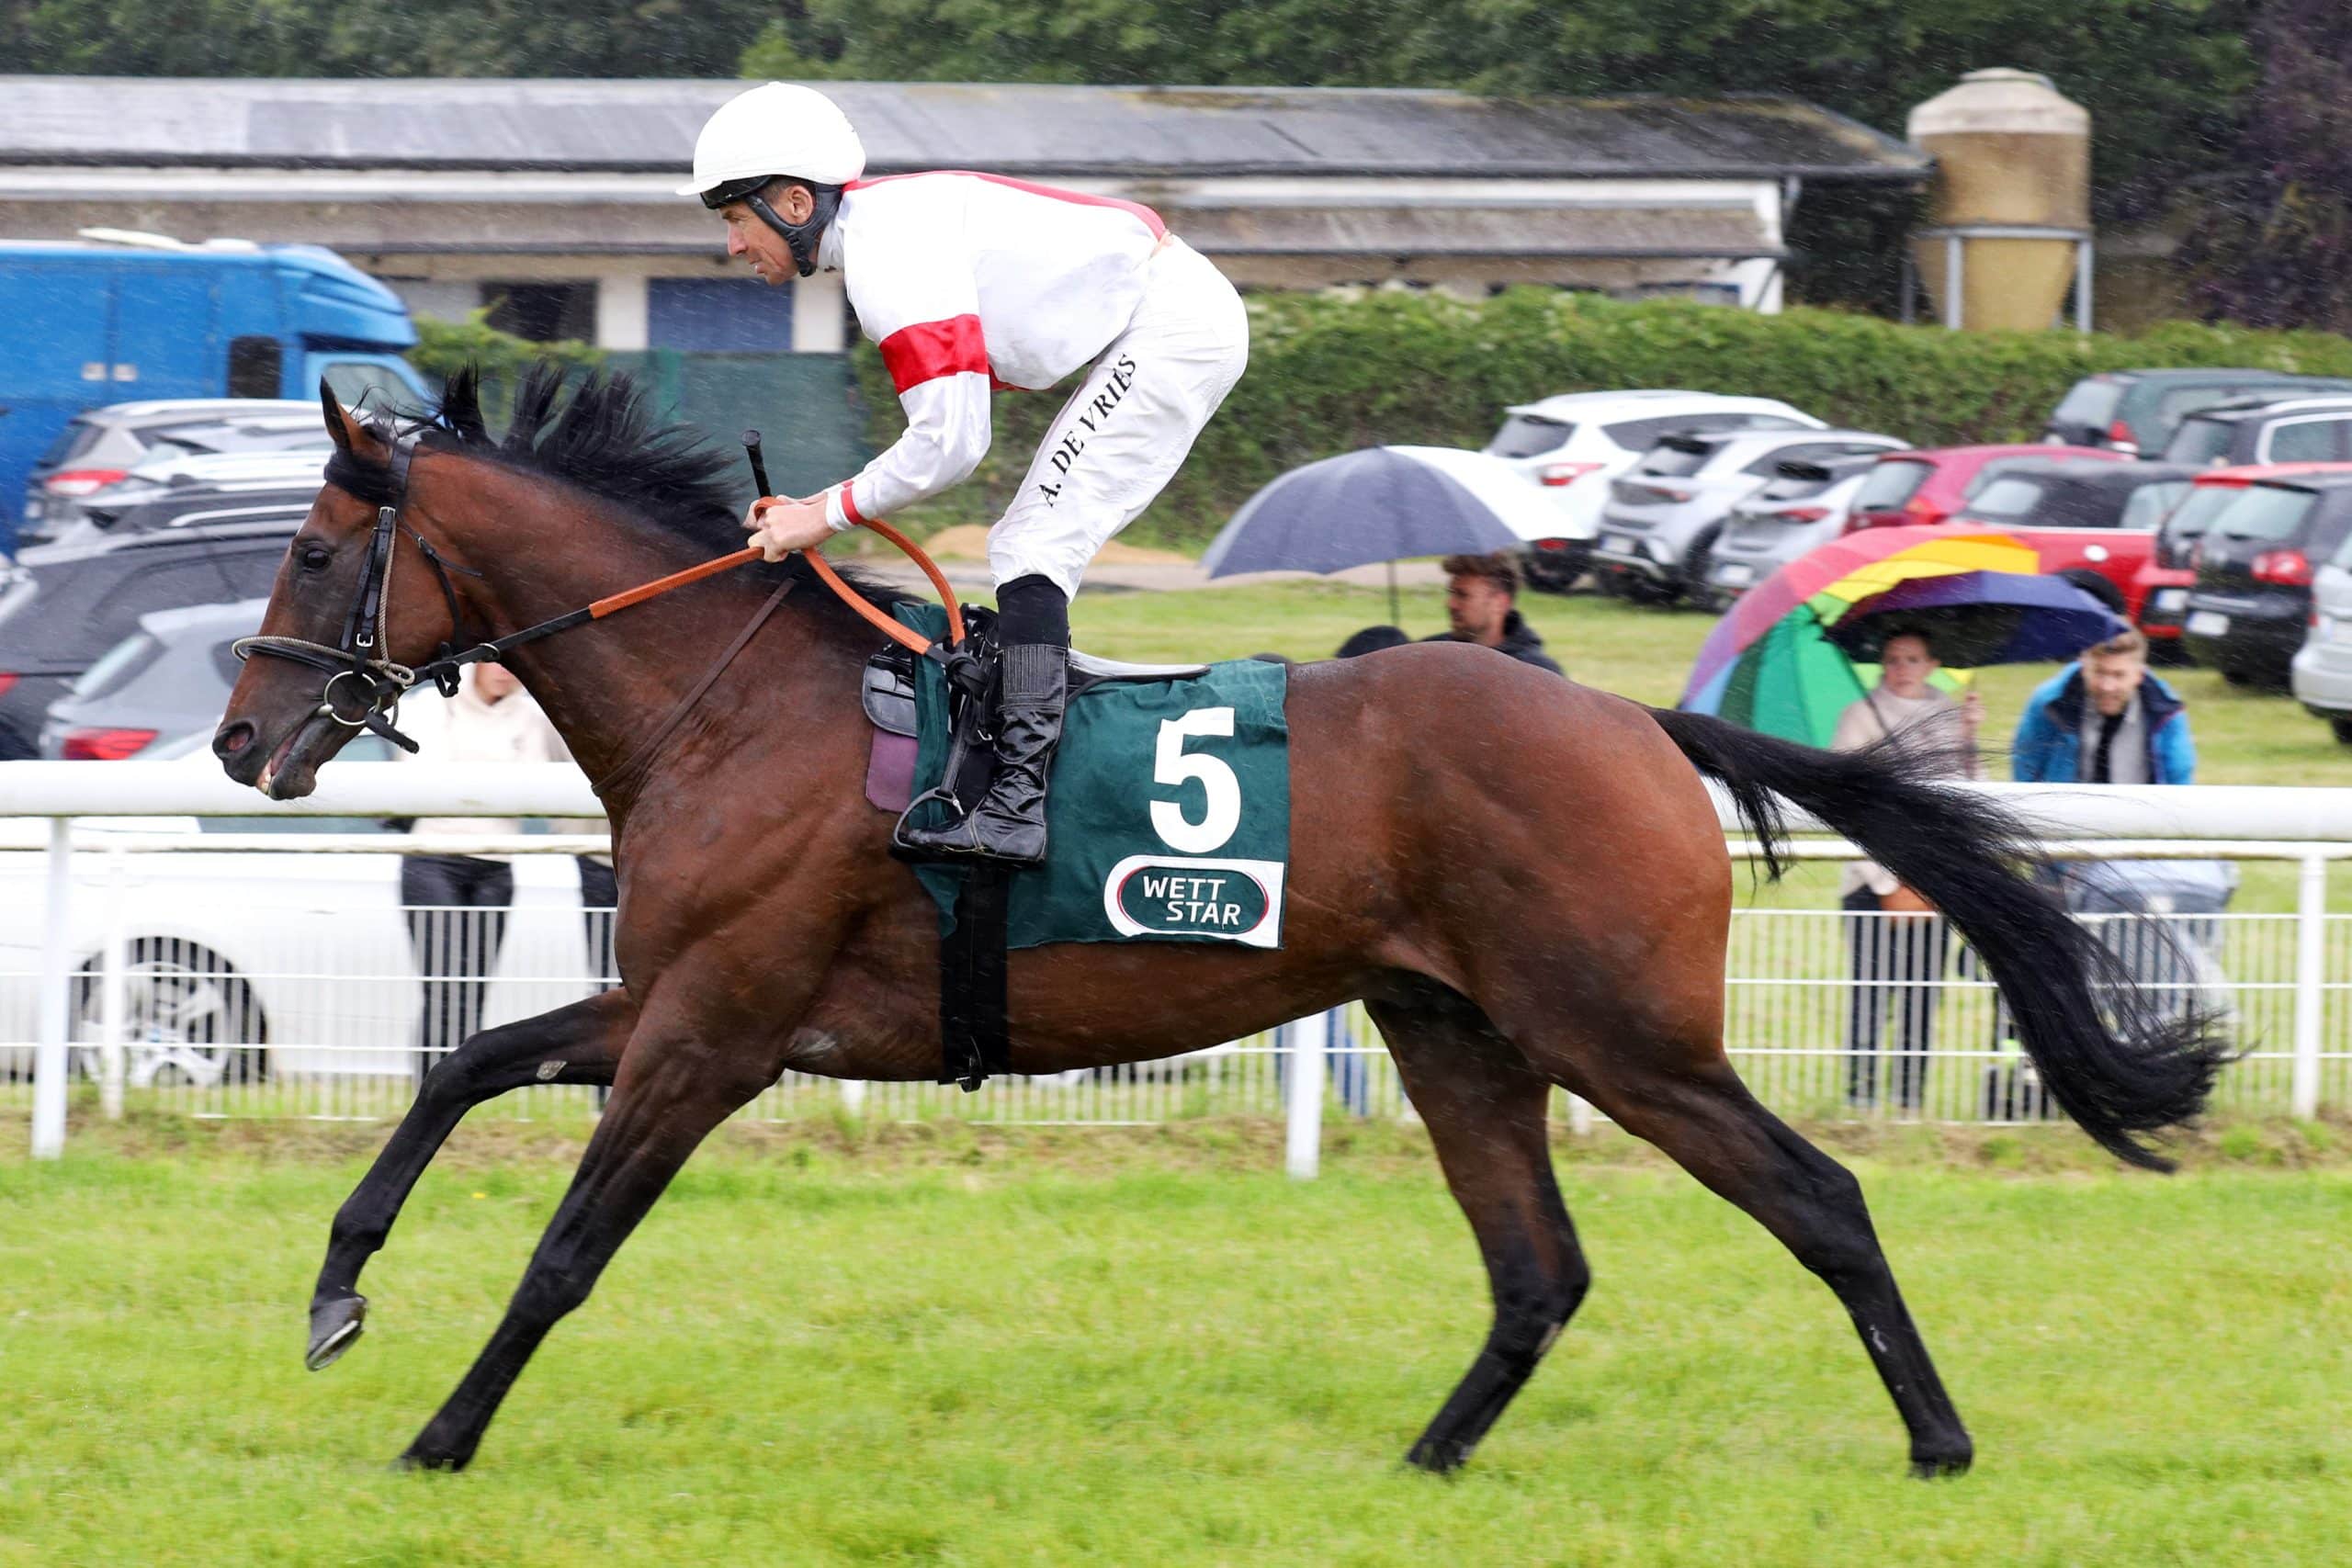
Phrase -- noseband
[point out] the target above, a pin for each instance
(364, 688)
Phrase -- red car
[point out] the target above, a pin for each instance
(2089, 520)
(1908, 489)
(2161, 587)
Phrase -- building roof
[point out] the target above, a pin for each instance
(649, 126)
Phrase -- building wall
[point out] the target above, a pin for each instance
(436, 236)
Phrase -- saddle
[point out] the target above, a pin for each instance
(972, 958)
(888, 697)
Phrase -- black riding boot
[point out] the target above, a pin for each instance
(1008, 825)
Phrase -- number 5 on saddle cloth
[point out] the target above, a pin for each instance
(1168, 820)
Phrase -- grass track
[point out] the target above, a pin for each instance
(999, 1354)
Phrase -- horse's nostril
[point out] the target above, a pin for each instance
(232, 739)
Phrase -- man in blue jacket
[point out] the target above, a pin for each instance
(2104, 719)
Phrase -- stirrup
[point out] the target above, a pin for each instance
(900, 849)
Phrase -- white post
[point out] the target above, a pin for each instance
(113, 980)
(854, 1096)
(49, 1059)
(1955, 279)
(2311, 954)
(1310, 1041)
(1579, 1116)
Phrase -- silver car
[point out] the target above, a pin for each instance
(1662, 517)
(1800, 506)
(2320, 676)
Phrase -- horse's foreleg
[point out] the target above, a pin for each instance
(1484, 1107)
(580, 1044)
(665, 1103)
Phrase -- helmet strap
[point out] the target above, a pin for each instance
(801, 237)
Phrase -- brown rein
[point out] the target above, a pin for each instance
(646, 749)
(906, 635)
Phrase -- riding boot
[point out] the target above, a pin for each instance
(1008, 824)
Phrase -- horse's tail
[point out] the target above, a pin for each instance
(2116, 1064)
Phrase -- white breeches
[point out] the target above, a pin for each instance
(1125, 431)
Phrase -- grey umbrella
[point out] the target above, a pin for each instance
(1384, 504)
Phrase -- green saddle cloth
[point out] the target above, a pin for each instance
(1168, 815)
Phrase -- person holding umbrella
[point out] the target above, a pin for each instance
(1899, 943)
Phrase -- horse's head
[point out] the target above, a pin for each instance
(335, 619)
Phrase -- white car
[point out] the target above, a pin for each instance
(273, 451)
(1573, 445)
(245, 965)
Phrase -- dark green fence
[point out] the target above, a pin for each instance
(804, 405)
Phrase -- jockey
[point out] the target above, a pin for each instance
(970, 282)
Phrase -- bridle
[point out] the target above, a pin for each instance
(377, 683)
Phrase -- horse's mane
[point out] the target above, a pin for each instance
(603, 438)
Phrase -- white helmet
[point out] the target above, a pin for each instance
(775, 129)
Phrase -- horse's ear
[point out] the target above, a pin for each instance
(341, 428)
(351, 438)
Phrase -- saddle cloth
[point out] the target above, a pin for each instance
(1169, 816)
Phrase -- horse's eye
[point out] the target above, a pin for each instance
(315, 558)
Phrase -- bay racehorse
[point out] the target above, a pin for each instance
(1523, 880)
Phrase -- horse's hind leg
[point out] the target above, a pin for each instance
(1698, 1112)
(580, 1044)
(1485, 1111)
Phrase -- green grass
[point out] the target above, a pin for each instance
(1124, 1351)
(1645, 653)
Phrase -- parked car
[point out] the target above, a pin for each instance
(1574, 444)
(163, 682)
(2320, 674)
(121, 508)
(2161, 589)
(147, 316)
(2135, 411)
(1803, 505)
(1664, 515)
(2258, 430)
(2251, 600)
(1909, 489)
(226, 948)
(99, 446)
(2090, 519)
(67, 603)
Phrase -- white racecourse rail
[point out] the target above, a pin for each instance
(157, 949)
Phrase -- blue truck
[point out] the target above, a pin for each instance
(90, 324)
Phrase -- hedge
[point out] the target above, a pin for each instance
(1328, 374)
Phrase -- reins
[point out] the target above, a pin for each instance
(384, 683)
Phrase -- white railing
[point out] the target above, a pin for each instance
(323, 1011)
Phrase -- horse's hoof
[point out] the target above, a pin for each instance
(1930, 1467)
(419, 1458)
(1437, 1458)
(334, 1327)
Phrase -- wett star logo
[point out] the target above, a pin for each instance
(1239, 900)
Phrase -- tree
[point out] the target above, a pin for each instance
(2272, 244)
(424, 38)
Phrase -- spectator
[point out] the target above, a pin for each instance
(2104, 719)
(1898, 942)
(1479, 591)
(457, 904)
(1372, 640)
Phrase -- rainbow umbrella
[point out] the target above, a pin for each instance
(1770, 664)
